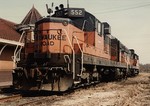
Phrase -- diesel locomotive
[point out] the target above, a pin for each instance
(72, 47)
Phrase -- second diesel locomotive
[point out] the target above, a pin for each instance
(72, 47)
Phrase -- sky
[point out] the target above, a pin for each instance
(129, 19)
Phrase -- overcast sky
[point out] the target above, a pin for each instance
(129, 19)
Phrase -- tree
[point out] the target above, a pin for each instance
(144, 67)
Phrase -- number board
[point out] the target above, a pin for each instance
(76, 12)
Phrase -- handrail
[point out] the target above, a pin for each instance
(73, 68)
(16, 52)
(83, 24)
(81, 53)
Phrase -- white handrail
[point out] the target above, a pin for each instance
(83, 25)
(73, 67)
(81, 53)
(16, 52)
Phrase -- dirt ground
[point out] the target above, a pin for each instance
(131, 92)
(134, 91)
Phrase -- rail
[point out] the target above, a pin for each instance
(10, 98)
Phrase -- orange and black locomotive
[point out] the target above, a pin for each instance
(72, 47)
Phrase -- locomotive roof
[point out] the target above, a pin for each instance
(54, 19)
(60, 16)
(65, 13)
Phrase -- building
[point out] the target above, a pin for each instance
(11, 43)
(28, 23)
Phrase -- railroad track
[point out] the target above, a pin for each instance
(40, 97)
(56, 96)
(39, 101)
(11, 98)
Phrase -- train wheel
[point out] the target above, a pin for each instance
(59, 83)
(117, 74)
(19, 80)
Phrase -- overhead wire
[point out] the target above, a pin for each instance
(122, 9)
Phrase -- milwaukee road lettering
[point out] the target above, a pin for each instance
(48, 40)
